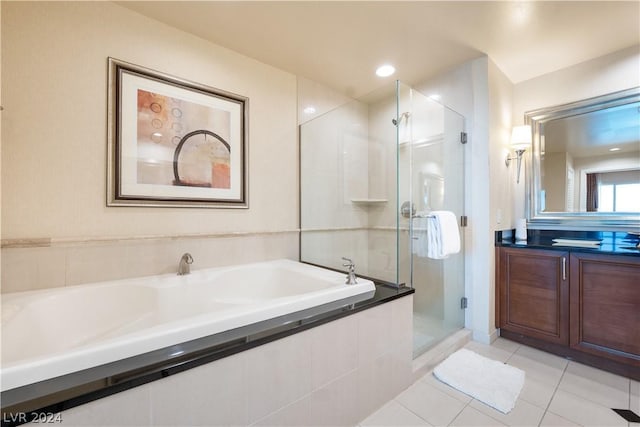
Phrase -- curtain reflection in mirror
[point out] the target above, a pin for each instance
(592, 192)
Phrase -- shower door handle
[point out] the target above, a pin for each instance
(408, 210)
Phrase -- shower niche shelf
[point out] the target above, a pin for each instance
(368, 201)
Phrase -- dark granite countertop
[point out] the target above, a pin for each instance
(612, 242)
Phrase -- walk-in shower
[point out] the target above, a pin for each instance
(371, 172)
(431, 146)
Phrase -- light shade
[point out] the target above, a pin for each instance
(521, 137)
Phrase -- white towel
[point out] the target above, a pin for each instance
(444, 237)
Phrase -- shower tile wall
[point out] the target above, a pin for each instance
(334, 171)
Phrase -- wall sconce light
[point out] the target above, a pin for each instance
(520, 141)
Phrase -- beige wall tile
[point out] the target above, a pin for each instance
(374, 333)
(334, 350)
(214, 394)
(128, 408)
(296, 414)
(25, 269)
(91, 261)
(374, 384)
(336, 404)
(279, 373)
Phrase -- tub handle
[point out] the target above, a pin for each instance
(351, 277)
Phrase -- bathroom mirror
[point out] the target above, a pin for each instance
(585, 163)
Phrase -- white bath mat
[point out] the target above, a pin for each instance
(491, 382)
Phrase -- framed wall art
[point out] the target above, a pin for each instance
(173, 142)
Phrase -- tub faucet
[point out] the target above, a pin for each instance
(185, 264)
(351, 277)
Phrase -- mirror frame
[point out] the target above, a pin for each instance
(584, 220)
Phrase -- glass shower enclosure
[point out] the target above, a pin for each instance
(370, 172)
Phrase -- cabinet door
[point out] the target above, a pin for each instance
(534, 293)
(605, 306)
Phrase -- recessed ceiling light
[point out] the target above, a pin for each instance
(614, 149)
(521, 12)
(385, 70)
(309, 110)
(435, 97)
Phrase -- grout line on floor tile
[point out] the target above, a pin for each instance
(409, 409)
(629, 424)
(494, 409)
(554, 394)
(463, 408)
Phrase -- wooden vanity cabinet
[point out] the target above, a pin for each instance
(534, 293)
(605, 306)
(580, 305)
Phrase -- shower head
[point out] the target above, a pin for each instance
(395, 122)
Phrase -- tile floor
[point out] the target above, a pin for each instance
(557, 392)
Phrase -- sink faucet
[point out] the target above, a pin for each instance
(351, 277)
(185, 264)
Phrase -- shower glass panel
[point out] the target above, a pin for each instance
(431, 167)
(348, 187)
(371, 171)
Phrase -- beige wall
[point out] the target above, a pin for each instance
(0, 131)
(54, 128)
(609, 73)
(501, 177)
(54, 159)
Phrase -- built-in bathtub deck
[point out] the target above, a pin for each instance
(63, 392)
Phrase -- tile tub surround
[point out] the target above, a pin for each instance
(30, 264)
(367, 346)
(76, 328)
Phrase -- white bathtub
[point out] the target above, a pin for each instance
(54, 332)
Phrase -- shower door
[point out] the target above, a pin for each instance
(431, 160)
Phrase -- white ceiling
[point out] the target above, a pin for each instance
(340, 43)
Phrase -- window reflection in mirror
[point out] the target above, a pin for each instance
(587, 157)
(613, 191)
